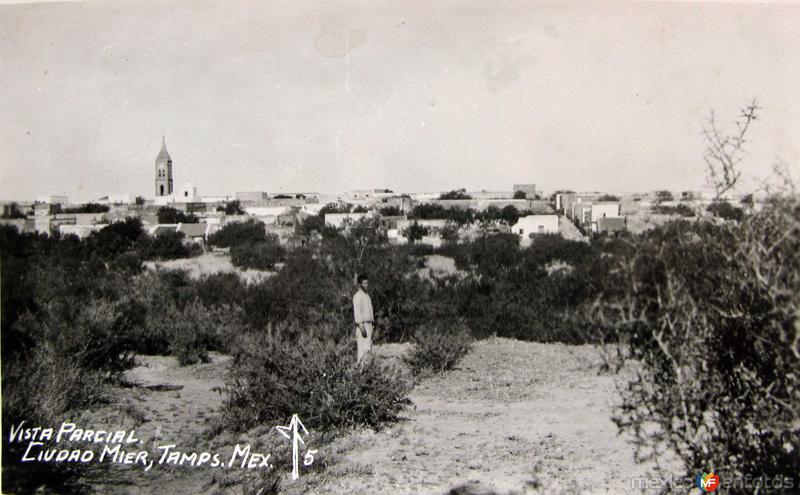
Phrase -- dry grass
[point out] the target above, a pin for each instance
(208, 264)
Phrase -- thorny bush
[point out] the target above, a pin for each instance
(311, 372)
(706, 319)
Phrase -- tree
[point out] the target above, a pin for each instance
(449, 233)
(725, 210)
(455, 194)
(390, 211)
(520, 195)
(663, 195)
(171, 216)
(117, 238)
(167, 246)
(608, 197)
(87, 208)
(415, 232)
(335, 208)
(13, 212)
(261, 255)
(239, 233)
(232, 208)
(509, 215)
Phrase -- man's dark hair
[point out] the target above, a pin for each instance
(361, 277)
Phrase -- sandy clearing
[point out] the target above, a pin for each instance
(515, 417)
(208, 264)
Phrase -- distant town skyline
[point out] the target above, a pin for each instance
(413, 96)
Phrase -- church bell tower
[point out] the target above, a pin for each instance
(163, 171)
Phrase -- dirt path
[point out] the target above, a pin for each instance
(516, 417)
(176, 409)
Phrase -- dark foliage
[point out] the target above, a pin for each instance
(117, 238)
(415, 232)
(681, 209)
(704, 313)
(236, 233)
(258, 255)
(455, 194)
(13, 212)
(663, 195)
(726, 211)
(390, 211)
(172, 216)
(434, 211)
(232, 208)
(168, 245)
(311, 373)
(85, 208)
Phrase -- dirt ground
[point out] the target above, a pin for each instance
(515, 417)
(208, 264)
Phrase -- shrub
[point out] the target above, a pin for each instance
(188, 332)
(390, 211)
(707, 318)
(232, 208)
(681, 209)
(222, 288)
(236, 233)
(725, 210)
(129, 263)
(168, 246)
(438, 350)
(663, 196)
(60, 387)
(94, 333)
(414, 232)
(258, 255)
(117, 238)
(455, 194)
(307, 372)
(170, 215)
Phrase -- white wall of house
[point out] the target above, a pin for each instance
(337, 219)
(186, 194)
(535, 224)
(82, 231)
(267, 210)
(608, 210)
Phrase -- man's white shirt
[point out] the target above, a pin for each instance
(362, 307)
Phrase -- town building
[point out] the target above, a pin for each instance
(53, 199)
(163, 171)
(532, 225)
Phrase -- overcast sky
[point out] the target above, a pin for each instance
(410, 95)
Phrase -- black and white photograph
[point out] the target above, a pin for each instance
(415, 247)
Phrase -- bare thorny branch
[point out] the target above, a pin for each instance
(724, 151)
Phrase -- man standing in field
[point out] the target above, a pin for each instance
(362, 309)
